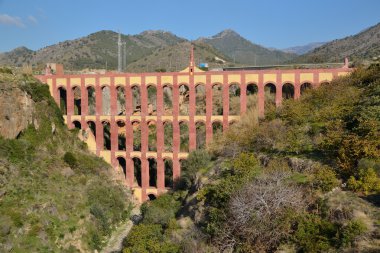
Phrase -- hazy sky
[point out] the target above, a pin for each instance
(272, 23)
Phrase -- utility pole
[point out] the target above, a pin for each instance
(124, 56)
(119, 59)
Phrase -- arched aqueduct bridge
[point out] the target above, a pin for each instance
(145, 124)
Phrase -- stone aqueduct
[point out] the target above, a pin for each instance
(127, 157)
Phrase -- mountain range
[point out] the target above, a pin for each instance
(157, 50)
(363, 46)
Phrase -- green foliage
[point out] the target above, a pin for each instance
(106, 205)
(367, 181)
(351, 231)
(70, 159)
(315, 234)
(6, 70)
(42, 197)
(148, 238)
(161, 210)
(197, 161)
(154, 232)
(324, 178)
(39, 92)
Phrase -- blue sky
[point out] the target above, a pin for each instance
(272, 23)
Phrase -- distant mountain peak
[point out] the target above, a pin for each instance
(226, 32)
(154, 32)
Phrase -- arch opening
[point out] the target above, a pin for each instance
(305, 87)
(152, 172)
(91, 100)
(287, 91)
(122, 165)
(200, 99)
(325, 83)
(137, 171)
(184, 137)
(136, 100)
(217, 99)
(121, 135)
(63, 100)
(106, 135)
(92, 127)
(168, 100)
(252, 96)
(77, 124)
(200, 135)
(120, 94)
(151, 197)
(106, 100)
(152, 100)
(77, 100)
(168, 173)
(152, 136)
(234, 99)
(168, 137)
(136, 136)
(184, 99)
(217, 128)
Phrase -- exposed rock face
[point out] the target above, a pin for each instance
(17, 109)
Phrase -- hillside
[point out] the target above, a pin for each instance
(55, 196)
(299, 50)
(306, 179)
(176, 58)
(92, 51)
(243, 51)
(359, 47)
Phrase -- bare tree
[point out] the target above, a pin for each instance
(257, 214)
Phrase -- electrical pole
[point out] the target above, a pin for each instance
(119, 59)
(124, 56)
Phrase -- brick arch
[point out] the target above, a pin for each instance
(216, 83)
(288, 90)
(234, 83)
(168, 172)
(200, 98)
(151, 84)
(304, 86)
(234, 98)
(178, 123)
(76, 123)
(153, 173)
(167, 85)
(232, 122)
(137, 172)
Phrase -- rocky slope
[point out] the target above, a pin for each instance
(176, 58)
(243, 51)
(55, 196)
(96, 50)
(359, 47)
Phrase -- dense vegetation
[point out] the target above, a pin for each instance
(54, 195)
(306, 179)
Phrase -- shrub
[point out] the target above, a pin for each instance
(351, 231)
(70, 159)
(324, 178)
(367, 182)
(161, 210)
(197, 160)
(148, 238)
(314, 234)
